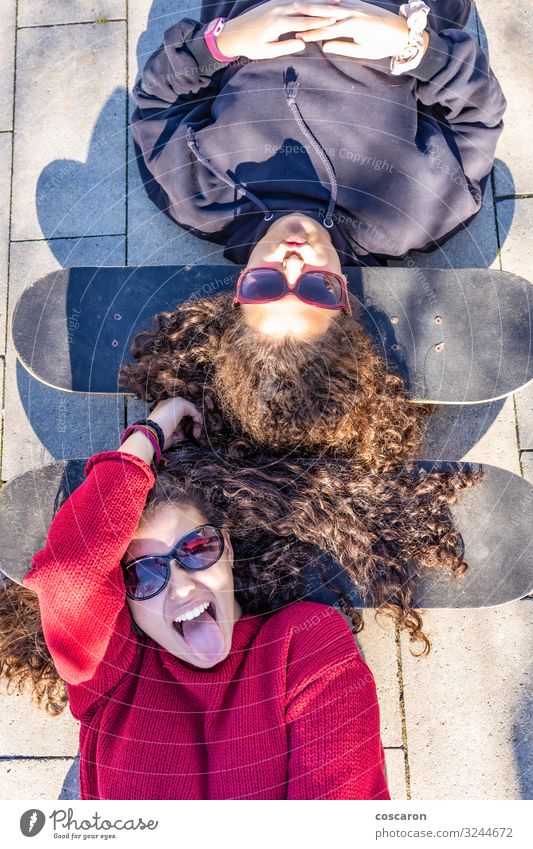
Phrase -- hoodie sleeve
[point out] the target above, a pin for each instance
(175, 91)
(454, 79)
(78, 577)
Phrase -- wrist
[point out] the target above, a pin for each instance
(217, 38)
(138, 444)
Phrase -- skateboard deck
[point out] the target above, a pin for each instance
(494, 519)
(461, 336)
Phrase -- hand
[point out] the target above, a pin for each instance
(255, 34)
(168, 414)
(373, 33)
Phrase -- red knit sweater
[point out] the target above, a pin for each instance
(291, 713)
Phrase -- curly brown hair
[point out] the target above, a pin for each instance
(282, 517)
(332, 395)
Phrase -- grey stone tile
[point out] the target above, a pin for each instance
(524, 416)
(395, 766)
(69, 169)
(508, 26)
(135, 410)
(45, 12)
(515, 223)
(5, 188)
(526, 458)
(377, 642)
(475, 246)
(468, 705)
(480, 433)
(42, 424)
(7, 62)
(39, 779)
(28, 730)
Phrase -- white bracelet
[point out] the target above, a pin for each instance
(416, 13)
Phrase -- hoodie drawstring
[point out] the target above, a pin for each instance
(225, 177)
(291, 90)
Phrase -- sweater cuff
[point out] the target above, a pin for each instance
(122, 457)
(207, 64)
(435, 59)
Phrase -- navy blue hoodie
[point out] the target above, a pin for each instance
(390, 163)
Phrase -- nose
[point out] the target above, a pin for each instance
(293, 266)
(181, 582)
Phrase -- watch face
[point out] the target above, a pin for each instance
(215, 27)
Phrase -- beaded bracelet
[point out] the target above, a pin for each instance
(157, 429)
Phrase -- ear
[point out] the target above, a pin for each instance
(228, 546)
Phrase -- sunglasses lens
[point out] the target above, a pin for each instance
(319, 287)
(146, 577)
(200, 549)
(262, 284)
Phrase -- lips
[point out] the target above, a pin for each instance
(193, 613)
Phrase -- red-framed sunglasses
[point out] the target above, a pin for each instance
(317, 287)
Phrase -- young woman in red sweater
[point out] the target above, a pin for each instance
(180, 694)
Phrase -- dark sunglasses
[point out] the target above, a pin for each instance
(317, 287)
(147, 576)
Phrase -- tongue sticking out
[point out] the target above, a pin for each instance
(203, 636)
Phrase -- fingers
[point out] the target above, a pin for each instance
(345, 48)
(325, 33)
(324, 10)
(189, 409)
(283, 48)
(303, 23)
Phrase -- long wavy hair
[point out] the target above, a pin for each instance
(332, 395)
(282, 517)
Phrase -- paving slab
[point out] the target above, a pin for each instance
(515, 224)
(526, 459)
(5, 189)
(135, 410)
(478, 433)
(524, 416)
(43, 424)
(33, 779)
(33, 13)
(8, 20)
(395, 766)
(468, 705)
(26, 729)
(377, 642)
(508, 25)
(70, 116)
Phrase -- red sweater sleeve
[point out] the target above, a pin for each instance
(335, 749)
(78, 577)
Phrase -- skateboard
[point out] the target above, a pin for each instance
(461, 336)
(494, 519)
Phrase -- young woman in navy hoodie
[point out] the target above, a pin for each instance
(377, 122)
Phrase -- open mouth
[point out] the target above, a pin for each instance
(206, 609)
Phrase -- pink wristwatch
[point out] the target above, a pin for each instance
(211, 32)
